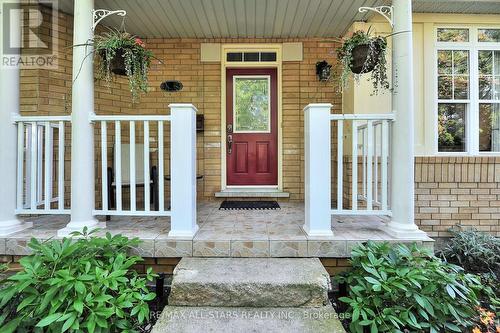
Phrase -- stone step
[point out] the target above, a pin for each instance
(250, 282)
(248, 320)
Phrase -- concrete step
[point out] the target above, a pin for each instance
(250, 282)
(248, 320)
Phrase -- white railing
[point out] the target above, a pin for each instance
(366, 144)
(41, 164)
(127, 164)
(374, 149)
(370, 139)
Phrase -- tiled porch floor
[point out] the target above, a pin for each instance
(237, 233)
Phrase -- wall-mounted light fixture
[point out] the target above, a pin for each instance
(323, 70)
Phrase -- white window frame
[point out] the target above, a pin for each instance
(472, 112)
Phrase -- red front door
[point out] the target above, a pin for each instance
(251, 126)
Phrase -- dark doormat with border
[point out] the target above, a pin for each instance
(248, 205)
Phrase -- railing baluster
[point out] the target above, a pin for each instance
(384, 153)
(33, 169)
(132, 167)
(364, 152)
(340, 153)
(27, 154)
(375, 163)
(39, 149)
(147, 177)
(60, 168)
(369, 166)
(104, 165)
(354, 166)
(161, 177)
(20, 165)
(48, 166)
(118, 165)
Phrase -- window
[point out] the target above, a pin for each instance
(251, 56)
(468, 90)
(251, 110)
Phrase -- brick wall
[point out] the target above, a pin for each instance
(457, 190)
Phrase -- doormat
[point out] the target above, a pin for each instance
(249, 205)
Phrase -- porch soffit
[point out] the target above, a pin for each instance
(258, 18)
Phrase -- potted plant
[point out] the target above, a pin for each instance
(361, 54)
(124, 54)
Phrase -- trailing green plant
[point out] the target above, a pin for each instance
(136, 58)
(81, 284)
(397, 288)
(375, 63)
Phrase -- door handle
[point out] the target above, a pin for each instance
(229, 144)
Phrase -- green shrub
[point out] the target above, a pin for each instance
(393, 288)
(82, 284)
(475, 251)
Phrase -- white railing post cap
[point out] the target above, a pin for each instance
(183, 106)
(318, 105)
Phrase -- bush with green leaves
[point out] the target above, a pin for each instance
(397, 288)
(79, 284)
(476, 252)
(479, 253)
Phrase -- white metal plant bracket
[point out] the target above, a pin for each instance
(100, 14)
(385, 11)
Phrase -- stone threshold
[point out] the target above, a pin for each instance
(252, 193)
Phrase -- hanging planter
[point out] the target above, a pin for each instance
(117, 63)
(361, 54)
(123, 54)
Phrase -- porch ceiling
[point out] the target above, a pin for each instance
(258, 18)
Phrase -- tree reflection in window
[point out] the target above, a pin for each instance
(451, 127)
(251, 104)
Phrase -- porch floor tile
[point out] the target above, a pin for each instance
(235, 233)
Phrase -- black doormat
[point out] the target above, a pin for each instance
(249, 205)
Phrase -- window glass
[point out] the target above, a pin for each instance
(268, 56)
(489, 127)
(489, 74)
(453, 74)
(452, 35)
(235, 56)
(488, 35)
(451, 127)
(251, 104)
(251, 56)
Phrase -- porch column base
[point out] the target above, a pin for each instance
(319, 233)
(78, 227)
(404, 231)
(13, 226)
(183, 234)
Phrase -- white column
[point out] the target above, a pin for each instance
(9, 99)
(183, 170)
(82, 133)
(318, 206)
(402, 224)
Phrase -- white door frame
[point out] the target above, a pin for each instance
(268, 64)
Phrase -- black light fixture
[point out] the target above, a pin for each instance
(171, 86)
(323, 70)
